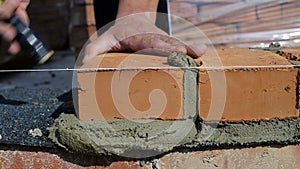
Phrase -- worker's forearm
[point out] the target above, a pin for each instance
(128, 7)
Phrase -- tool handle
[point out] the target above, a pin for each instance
(30, 43)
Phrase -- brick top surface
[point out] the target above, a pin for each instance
(242, 57)
(126, 60)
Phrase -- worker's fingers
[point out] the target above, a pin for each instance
(22, 14)
(14, 48)
(7, 31)
(151, 43)
(196, 51)
(7, 9)
(21, 11)
(24, 4)
(102, 44)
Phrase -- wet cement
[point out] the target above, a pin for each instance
(123, 137)
(190, 85)
(248, 133)
(139, 138)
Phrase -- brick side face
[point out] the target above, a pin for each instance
(248, 158)
(249, 93)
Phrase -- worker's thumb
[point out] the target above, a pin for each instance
(196, 51)
(101, 45)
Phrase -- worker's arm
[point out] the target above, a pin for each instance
(7, 31)
(128, 7)
(135, 30)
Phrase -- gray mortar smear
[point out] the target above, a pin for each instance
(125, 137)
(190, 82)
(138, 138)
(117, 136)
(240, 133)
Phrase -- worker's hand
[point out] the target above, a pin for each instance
(7, 31)
(135, 33)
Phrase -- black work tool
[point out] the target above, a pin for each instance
(30, 44)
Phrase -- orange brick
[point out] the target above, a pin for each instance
(251, 94)
(130, 94)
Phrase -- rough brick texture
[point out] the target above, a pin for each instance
(251, 93)
(130, 94)
(260, 157)
(248, 158)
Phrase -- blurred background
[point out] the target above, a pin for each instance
(241, 23)
(65, 25)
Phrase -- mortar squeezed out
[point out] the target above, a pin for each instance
(118, 136)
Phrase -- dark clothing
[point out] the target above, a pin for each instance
(106, 12)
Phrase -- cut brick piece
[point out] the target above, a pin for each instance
(251, 93)
(131, 93)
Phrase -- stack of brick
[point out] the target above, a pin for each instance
(82, 23)
(240, 23)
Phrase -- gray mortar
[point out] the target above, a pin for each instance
(240, 133)
(181, 60)
(190, 82)
(123, 137)
(138, 138)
